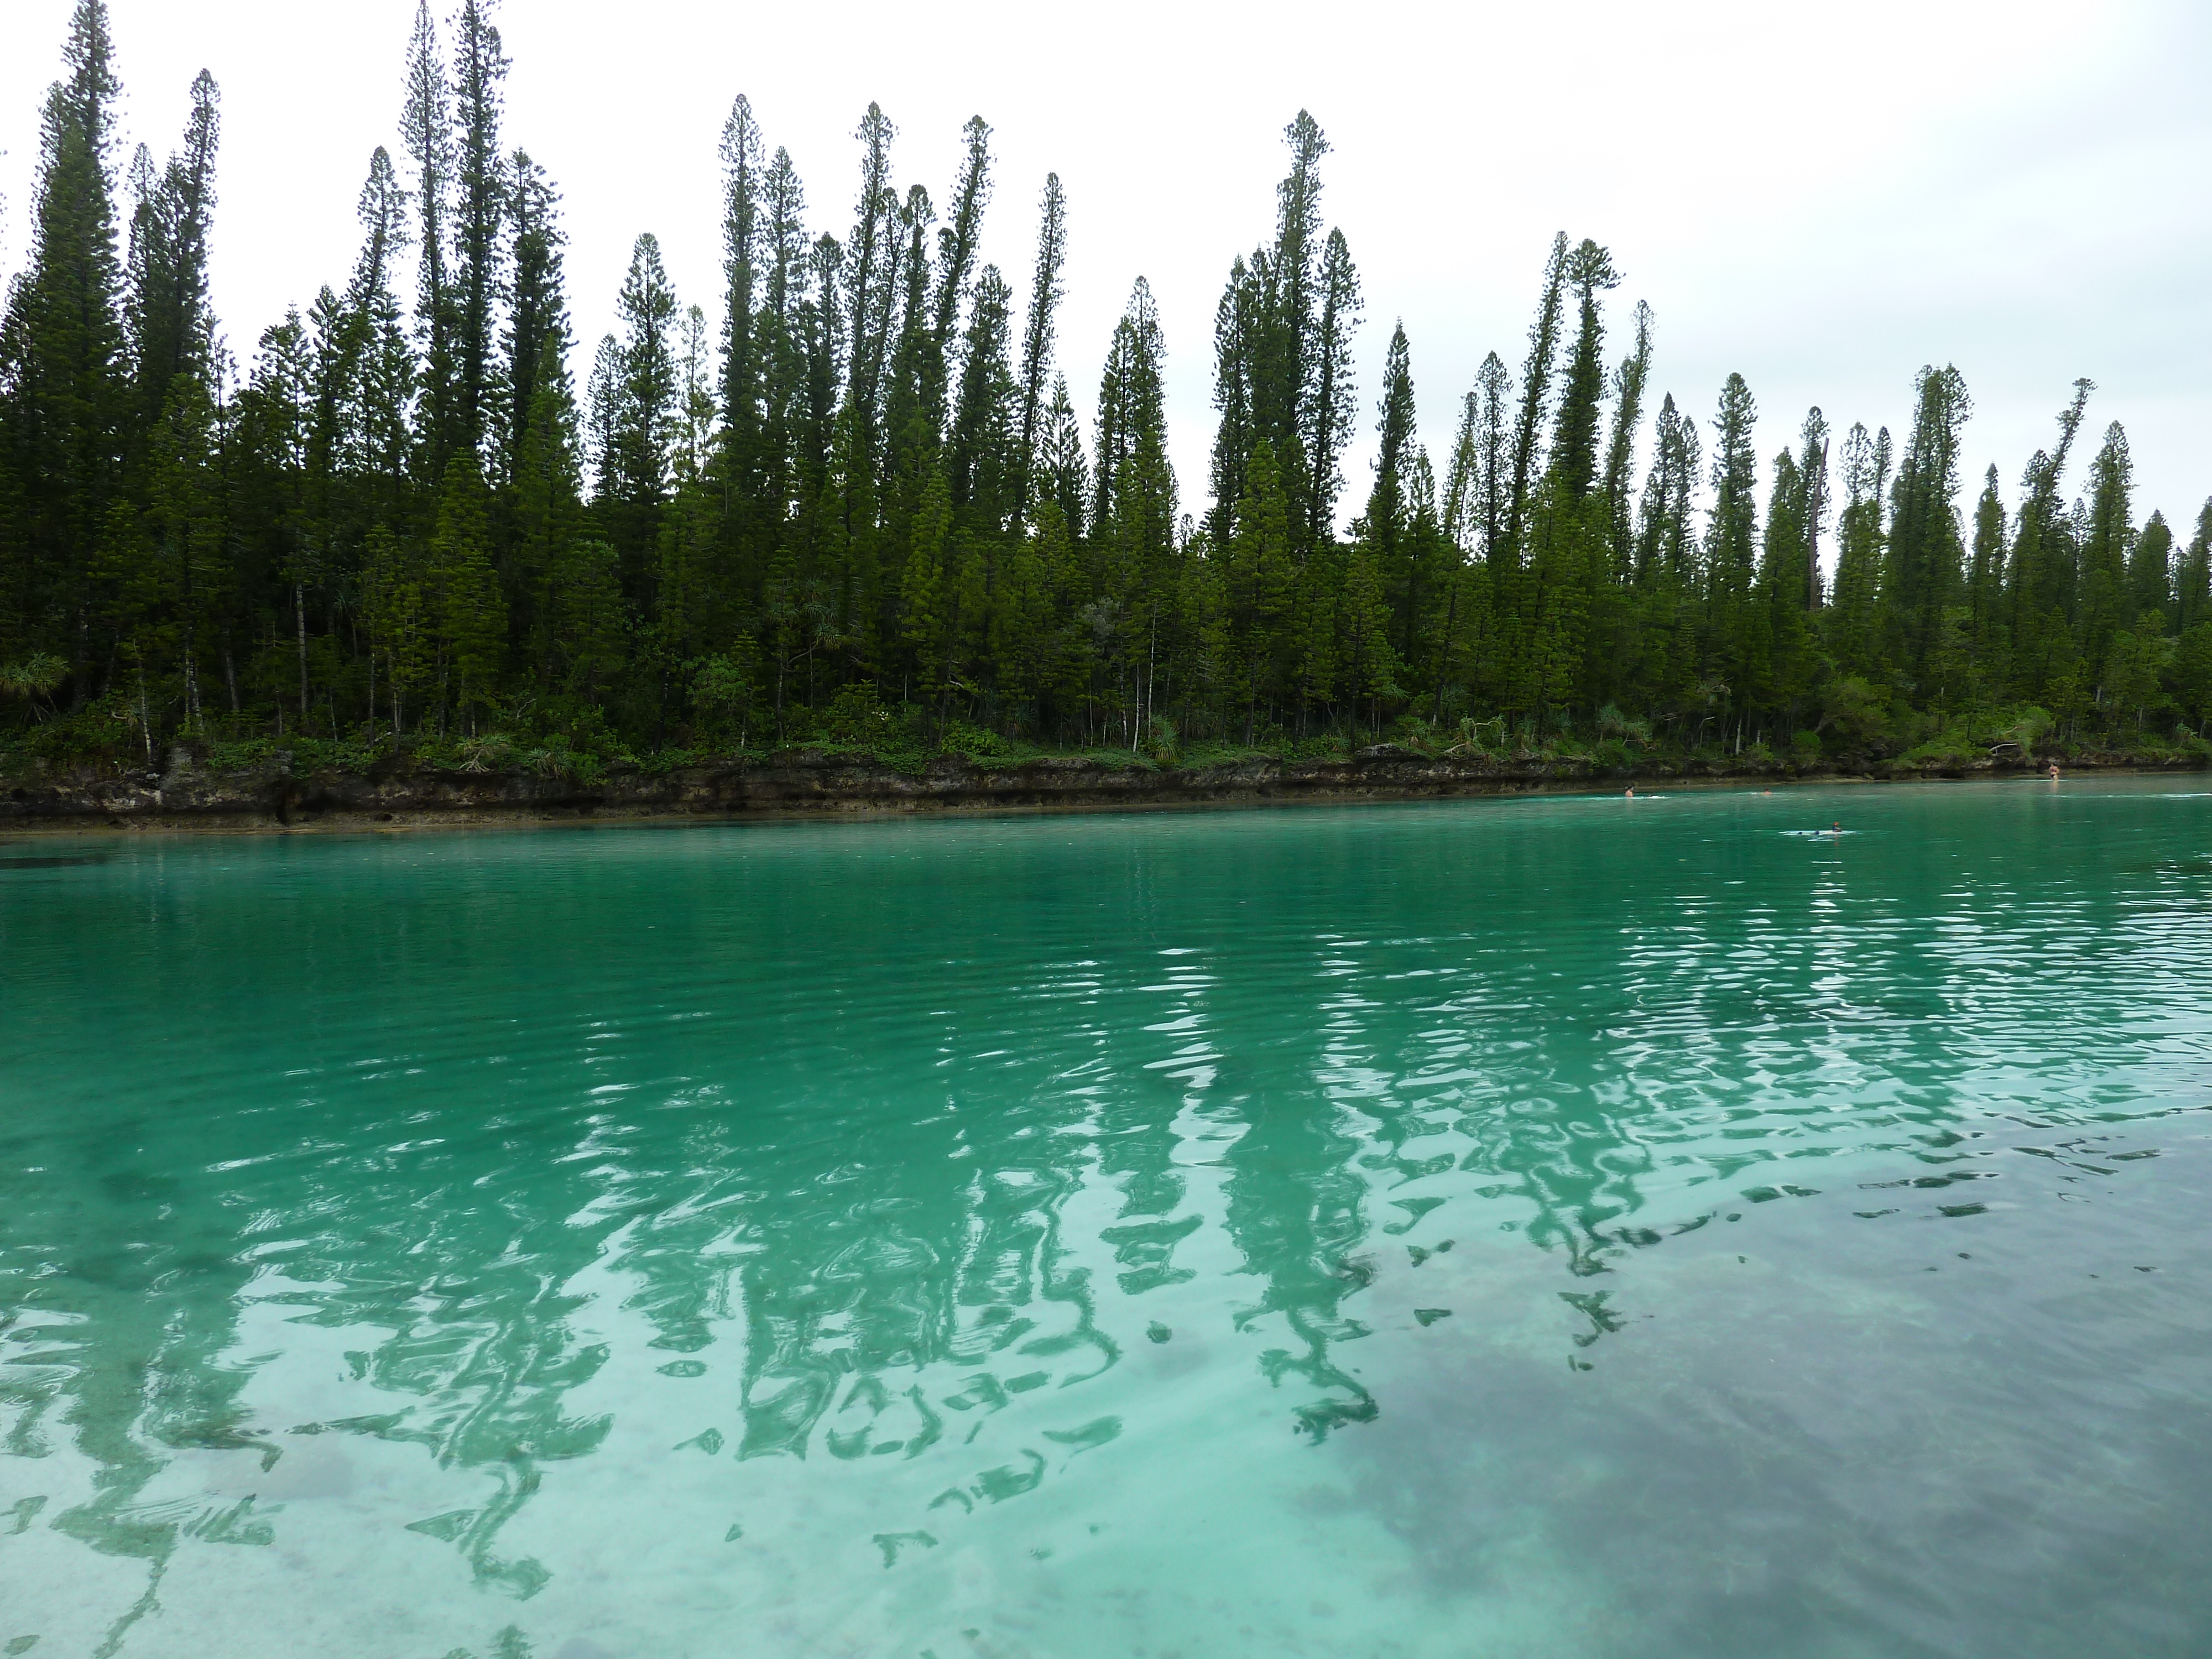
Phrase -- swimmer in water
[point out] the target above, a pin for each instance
(2054, 771)
(1628, 795)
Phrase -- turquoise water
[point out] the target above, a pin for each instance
(1565, 1226)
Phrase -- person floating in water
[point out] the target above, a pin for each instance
(2054, 771)
(1628, 795)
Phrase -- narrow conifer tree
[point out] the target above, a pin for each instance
(1235, 331)
(1535, 391)
(1853, 624)
(980, 460)
(2110, 532)
(1985, 571)
(1463, 477)
(426, 130)
(1134, 520)
(1731, 538)
(2041, 584)
(1493, 387)
(1813, 482)
(1574, 458)
(742, 237)
(644, 440)
(481, 199)
(1045, 294)
(2192, 588)
(536, 340)
(914, 404)
(1924, 572)
(1334, 400)
(958, 241)
(1665, 544)
(387, 371)
(605, 416)
(62, 346)
(870, 274)
(2150, 575)
(1065, 474)
(1628, 383)
(1396, 559)
(1131, 403)
(694, 397)
(1286, 348)
(172, 330)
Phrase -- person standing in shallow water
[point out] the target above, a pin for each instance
(2054, 771)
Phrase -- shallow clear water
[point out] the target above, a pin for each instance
(1569, 1226)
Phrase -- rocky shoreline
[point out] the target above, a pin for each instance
(186, 793)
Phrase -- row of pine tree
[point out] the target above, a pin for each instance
(864, 494)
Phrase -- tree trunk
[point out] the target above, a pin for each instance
(299, 615)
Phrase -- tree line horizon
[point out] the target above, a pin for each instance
(864, 502)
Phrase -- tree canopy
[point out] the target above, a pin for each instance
(864, 486)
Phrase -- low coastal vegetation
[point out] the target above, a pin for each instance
(856, 730)
(854, 513)
(863, 756)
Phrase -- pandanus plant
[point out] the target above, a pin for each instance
(31, 678)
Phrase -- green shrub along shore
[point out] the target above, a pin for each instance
(863, 756)
(848, 511)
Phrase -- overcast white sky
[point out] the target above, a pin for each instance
(1824, 198)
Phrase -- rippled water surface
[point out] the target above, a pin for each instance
(1570, 1226)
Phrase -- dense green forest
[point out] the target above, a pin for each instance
(861, 508)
